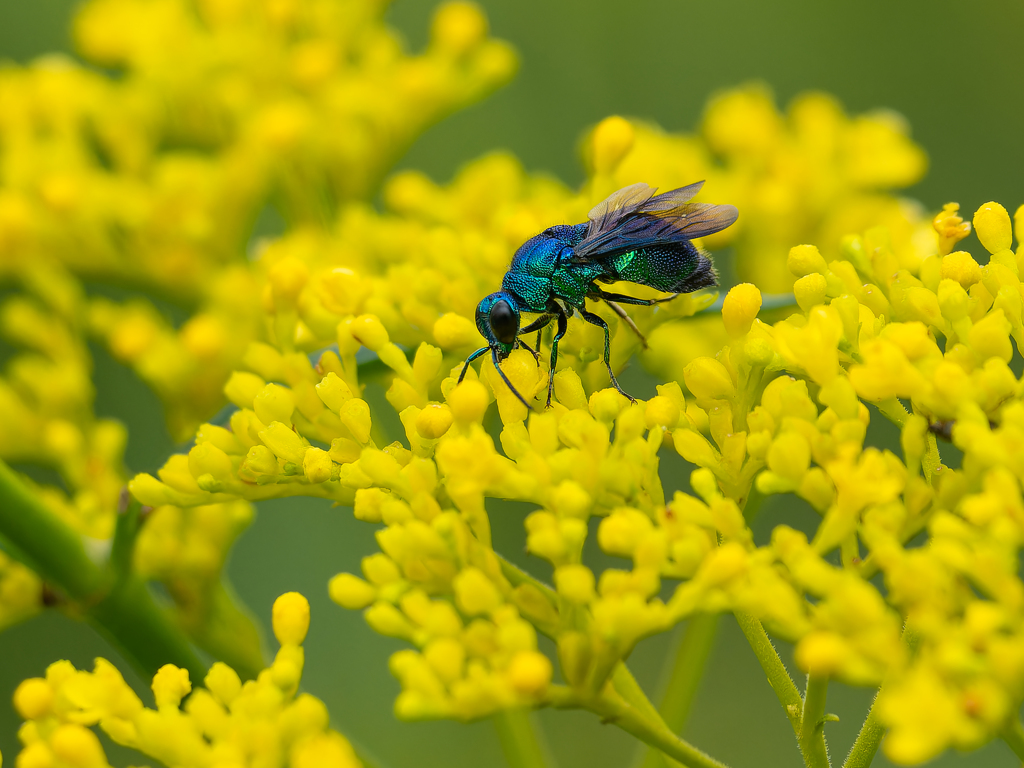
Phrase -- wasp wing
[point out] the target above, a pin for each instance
(634, 217)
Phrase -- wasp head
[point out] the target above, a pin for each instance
(497, 317)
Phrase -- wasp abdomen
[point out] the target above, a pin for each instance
(672, 267)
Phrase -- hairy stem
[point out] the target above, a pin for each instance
(778, 676)
(812, 723)
(520, 742)
(864, 748)
(122, 608)
(687, 669)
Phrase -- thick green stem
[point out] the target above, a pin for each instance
(812, 723)
(778, 676)
(864, 748)
(519, 740)
(123, 609)
(684, 678)
(1013, 735)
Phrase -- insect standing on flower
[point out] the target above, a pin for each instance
(634, 236)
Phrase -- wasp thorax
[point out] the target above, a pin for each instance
(503, 321)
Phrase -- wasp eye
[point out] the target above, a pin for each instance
(504, 323)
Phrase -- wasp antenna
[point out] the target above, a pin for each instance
(469, 360)
(497, 365)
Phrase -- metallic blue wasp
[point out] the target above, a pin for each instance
(634, 236)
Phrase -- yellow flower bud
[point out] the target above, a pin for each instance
(575, 583)
(569, 389)
(317, 465)
(458, 27)
(367, 505)
(605, 404)
(468, 401)
(950, 227)
(661, 411)
(223, 682)
(990, 337)
(32, 698)
(708, 379)
(385, 619)
(351, 592)
(447, 657)
(76, 745)
(243, 387)
(260, 462)
(992, 225)
(740, 307)
(288, 277)
(822, 653)
(284, 443)
(569, 499)
(369, 331)
(333, 391)
(790, 456)
(704, 484)
(344, 451)
(206, 458)
(274, 403)
(475, 593)
(962, 267)
(433, 421)
(170, 685)
(355, 415)
(380, 569)
(148, 490)
(953, 300)
(530, 672)
(810, 290)
(453, 332)
(805, 260)
(611, 141)
(290, 618)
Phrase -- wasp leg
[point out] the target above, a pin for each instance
(597, 293)
(469, 360)
(627, 320)
(537, 325)
(593, 319)
(497, 366)
(563, 326)
(531, 350)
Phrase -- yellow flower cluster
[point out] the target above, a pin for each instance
(780, 409)
(158, 177)
(155, 178)
(220, 724)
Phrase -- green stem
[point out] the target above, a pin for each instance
(123, 609)
(864, 748)
(812, 723)
(1013, 735)
(778, 676)
(614, 709)
(687, 669)
(519, 740)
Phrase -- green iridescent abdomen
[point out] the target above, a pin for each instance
(674, 268)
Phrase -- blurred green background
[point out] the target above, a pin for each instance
(953, 69)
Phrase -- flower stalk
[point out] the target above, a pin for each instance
(120, 605)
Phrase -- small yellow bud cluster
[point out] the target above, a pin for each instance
(214, 724)
(476, 653)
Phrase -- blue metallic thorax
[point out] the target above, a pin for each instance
(542, 268)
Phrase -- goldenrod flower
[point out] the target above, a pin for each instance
(216, 724)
